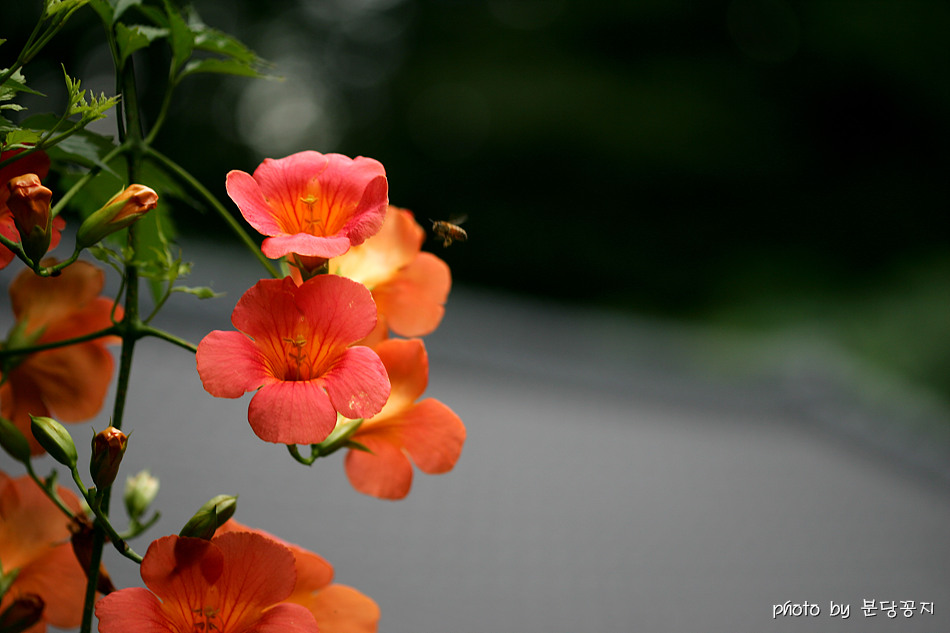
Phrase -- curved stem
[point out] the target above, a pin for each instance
(212, 201)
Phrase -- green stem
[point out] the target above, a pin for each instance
(95, 498)
(212, 201)
(49, 490)
(130, 137)
(147, 330)
(17, 351)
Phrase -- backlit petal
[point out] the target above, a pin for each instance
(385, 473)
(414, 299)
(433, 436)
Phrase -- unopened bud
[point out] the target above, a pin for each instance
(13, 441)
(118, 213)
(29, 203)
(23, 613)
(108, 447)
(54, 437)
(210, 517)
(140, 492)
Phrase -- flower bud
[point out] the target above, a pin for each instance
(108, 447)
(54, 437)
(29, 203)
(13, 441)
(210, 517)
(140, 492)
(23, 612)
(121, 211)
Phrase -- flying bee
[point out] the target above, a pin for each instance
(449, 231)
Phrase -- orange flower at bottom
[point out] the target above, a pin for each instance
(427, 431)
(336, 608)
(34, 538)
(234, 583)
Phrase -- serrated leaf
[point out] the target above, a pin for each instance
(202, 292)
(21, 137)
(12, 106)
(129, 39)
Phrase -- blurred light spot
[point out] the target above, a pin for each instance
(281, 117)
(765, 30)
(449, 121)
(525, 14)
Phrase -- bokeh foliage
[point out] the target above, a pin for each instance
(754, 163)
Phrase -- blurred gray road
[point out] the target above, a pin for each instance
(618, 476)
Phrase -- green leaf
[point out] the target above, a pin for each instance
(202, 292)
(182, 39)
(83, 148)
(104, 9)
(21, 138)
(129, 39)
(121, 6)
(223, 66)
(14, 84)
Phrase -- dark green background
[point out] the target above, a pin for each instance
(756, 164)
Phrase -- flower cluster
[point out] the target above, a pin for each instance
(316, 348)
(331, 350)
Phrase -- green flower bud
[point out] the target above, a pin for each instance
(140, 492)
(108, 447)
(54, 437)
(13, 441)
(121, 211)
(210, 517)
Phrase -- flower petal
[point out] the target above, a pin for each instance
(246, 193)
(342, 609)
(433, 435)
(292, 413)
(385, 473)
(286, 618)
(268, 309)
(229, 364)
(414, 299)
(72, 381)
(258, 571)
(357, 383)
(305, 244)
(133, 609)
(339, 309)
(43, 300)
(407, 366)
